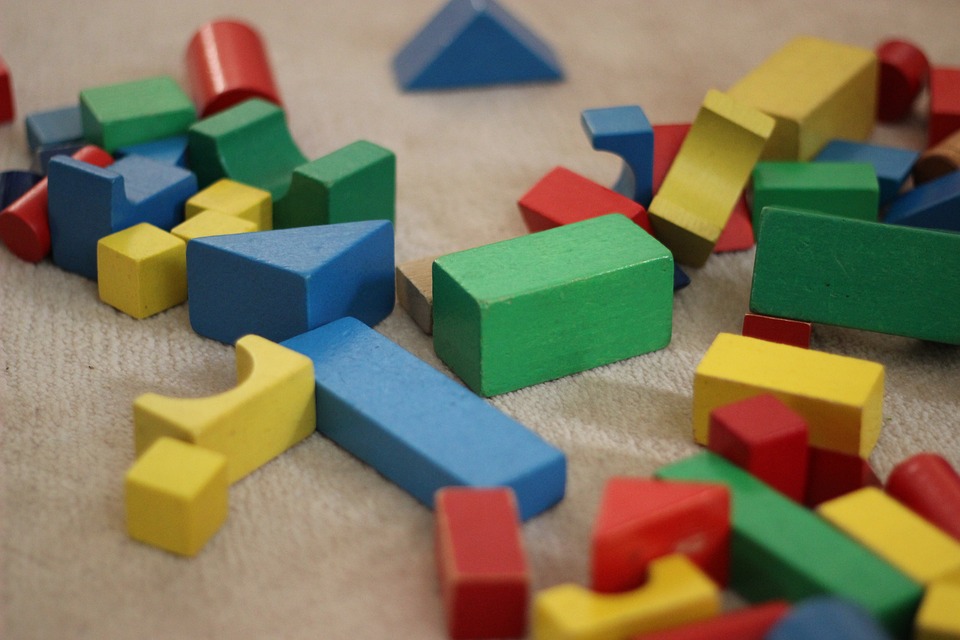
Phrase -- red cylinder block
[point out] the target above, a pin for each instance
(931, 487)
(227, 64)
(903, 72)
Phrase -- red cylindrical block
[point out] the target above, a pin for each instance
(903, 72)
(227, 64)
(931, 487)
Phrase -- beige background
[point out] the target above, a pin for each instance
(317, 545)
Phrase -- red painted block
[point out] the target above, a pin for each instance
(930, 487)
(642, 519)
(751, 623)
(764, 436)
(831, 474)
(483, 569)
(8, 108)
(782, 330)
(903, 73)
(944, 103)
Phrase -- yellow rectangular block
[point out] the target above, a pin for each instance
(841, 398)
(817, 90)
(939, 614)
(234, 199)
(212, 223)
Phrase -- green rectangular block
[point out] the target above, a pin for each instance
(864, 275)
(848, 189)
(781, 549)
(546, 305)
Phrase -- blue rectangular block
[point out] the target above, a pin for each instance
(892, 164)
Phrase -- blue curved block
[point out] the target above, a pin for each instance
(626, 132)
(14, 184)
(827, 618)
(932, 205)
(892, 164)
(171, 151)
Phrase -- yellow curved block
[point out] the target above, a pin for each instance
(939, 614)
(212, 223)
(271, 409)
(676, 593)
(234, 199)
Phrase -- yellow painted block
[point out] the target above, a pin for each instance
(212, 223)
(895, 533)
(817, 90)
(142, 270)
(271, 409)
(414, 283)
(707, 176)
(840, 397)
(176, 496)
(677, 592)
(939, 614)
(234, 199)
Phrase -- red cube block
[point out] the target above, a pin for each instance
(944, 103)
(931, 487)
(782, 330)
(831, 474)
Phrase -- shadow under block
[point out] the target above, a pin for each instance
(414, 283)
(931, 205)
(126, 113)
(827, 618)
(542, 306)
(841, 398)
(847, 189)
(944, 105)
(863, 275)
(817, 90)
(7, 103)
(694, 203)
(417, 427)
(54, 127)
(927, 484)
(176, 496)
(677, 592)
(937, 618)
(831, 474)
(780, 549)
(904, 71)
(235, 199)
(481, 562)
(782, 330)
(891, 164)
(625, 132)
(211, 223)
(271, 408)
(281, 283)
(749, 623)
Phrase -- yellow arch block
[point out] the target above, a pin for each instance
(234, 199)
(271, 409)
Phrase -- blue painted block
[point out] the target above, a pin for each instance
(54, 127)
(626, 132)
(86, 203)
(14, 184)
(474, 43)
(43, 155)
(417, 427)
(171, 151)
(827, 618)
(932, 205)
(281, 283)
(680, 279)
(892, 164)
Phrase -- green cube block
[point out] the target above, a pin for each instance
(542, 306)
(847, 189)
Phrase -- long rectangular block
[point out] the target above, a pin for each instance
(848, 189)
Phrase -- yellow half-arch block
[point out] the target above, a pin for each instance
(271, 409)
(840, 397)
(939, 614)
(234, 199)
(677, 592)
(212, 223)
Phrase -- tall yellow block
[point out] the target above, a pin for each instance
(677, 592)
(841, 398)
(235, 199)
(707, 176)
(939, 614)
(817, 90)
(212, 223)
(271, 409)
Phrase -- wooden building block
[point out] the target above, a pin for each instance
(928, 485)
(211, 223)
(535, 308)
(271, 409)
(176, 496)
(937, 617)
(817, 90)
(171, 151)
(143, 270)
(764, 436)
(484, 576)
(782, 330)
(748, 623)
(841, 398)
(281, 283)
(827, 618)
(417, 427)
(857, 274)
(641, 519)
(891, 164)
(15, 183)
(847, 189)
(780, 549)
(938, 160)
(8, 106)
(414, 283)
(831, 474)
(706, 178)
(931, 205)
(54, 127)
(676, 593)
(904, 70)
(235, 199)
(625, 132)
(944, 106)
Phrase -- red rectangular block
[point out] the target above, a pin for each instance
(944, 103)
(782, 330)
(831, 474)
(751, 623)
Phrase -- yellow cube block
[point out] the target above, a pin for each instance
(234, 199)
(939, 614)
(212, 223)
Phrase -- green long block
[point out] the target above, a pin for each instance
(847, 189)
(128, 113)
(863, 275)
(780, 549)
(546, 305)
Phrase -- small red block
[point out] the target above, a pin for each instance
(751, 623)
(7, 107)
(903, 73)
(944, 103)
(482, 566)
(831, 474)
(930, 487)
(782, 330)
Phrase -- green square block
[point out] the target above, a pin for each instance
(845, 189)
(128, 113)
(549, 304)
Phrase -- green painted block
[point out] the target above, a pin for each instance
(864, 275)
(847, 189)
(780, 549)
(127, 113)
(549, 304)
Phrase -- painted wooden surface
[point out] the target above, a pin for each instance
(827, 618)
(747, 623)
(892, 164)
(847, 189)
(625, 132)
(943, 108)
(930, 486)
(236, 199)
(904, 72)
(414, 283)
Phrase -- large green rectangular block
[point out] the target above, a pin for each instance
(549, 304)
(847, 189)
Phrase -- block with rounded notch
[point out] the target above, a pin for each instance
(625, 132)
(236, 199)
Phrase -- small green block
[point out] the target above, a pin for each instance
(549, 304)
(847, 189)
(128, 113)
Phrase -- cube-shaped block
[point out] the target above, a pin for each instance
(847, 189)
(833, 473)
(891, 164)
(235, 199)
(211, 223)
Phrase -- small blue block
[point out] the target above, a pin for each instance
(680, 279)
(281, 283)
(626, 132)
(474, 43)
(54, 127)
(14, 184)
(892, 164)
(827, 618)
(932, 205)
(417, 427)
(171, 151)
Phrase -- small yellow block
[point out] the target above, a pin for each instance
(271, 409)
(895, 533)
(176, 496)
(142, 270)
(939, 614)
(676, 593)
(234, 199)
(415, 291)
(841, 398)
(212, 223)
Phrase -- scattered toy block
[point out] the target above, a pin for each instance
(484, 576)
(782, 330)
(417, 427)
(737, 235)
(937, 617)
(944, 106)
(13, 184)
(680, 278)
(211, 223)
(142, 269)
(176, 496)
(471, 43)
(857, 274)
(939, 160)
(927, 484)
(625, 132)
(831, 474)
(54, 127)
(765, 437)
(234, 199)
(281, 283)
(827, 618)
(847, 189)
(642, 519)
(414, 284)
(271, 409)
(41, 159)
(172, 150)
(931, 205)
(707, 176)
(8, 108)
(904, 70)
(892, 165)
(748, 623)
(536, 308)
